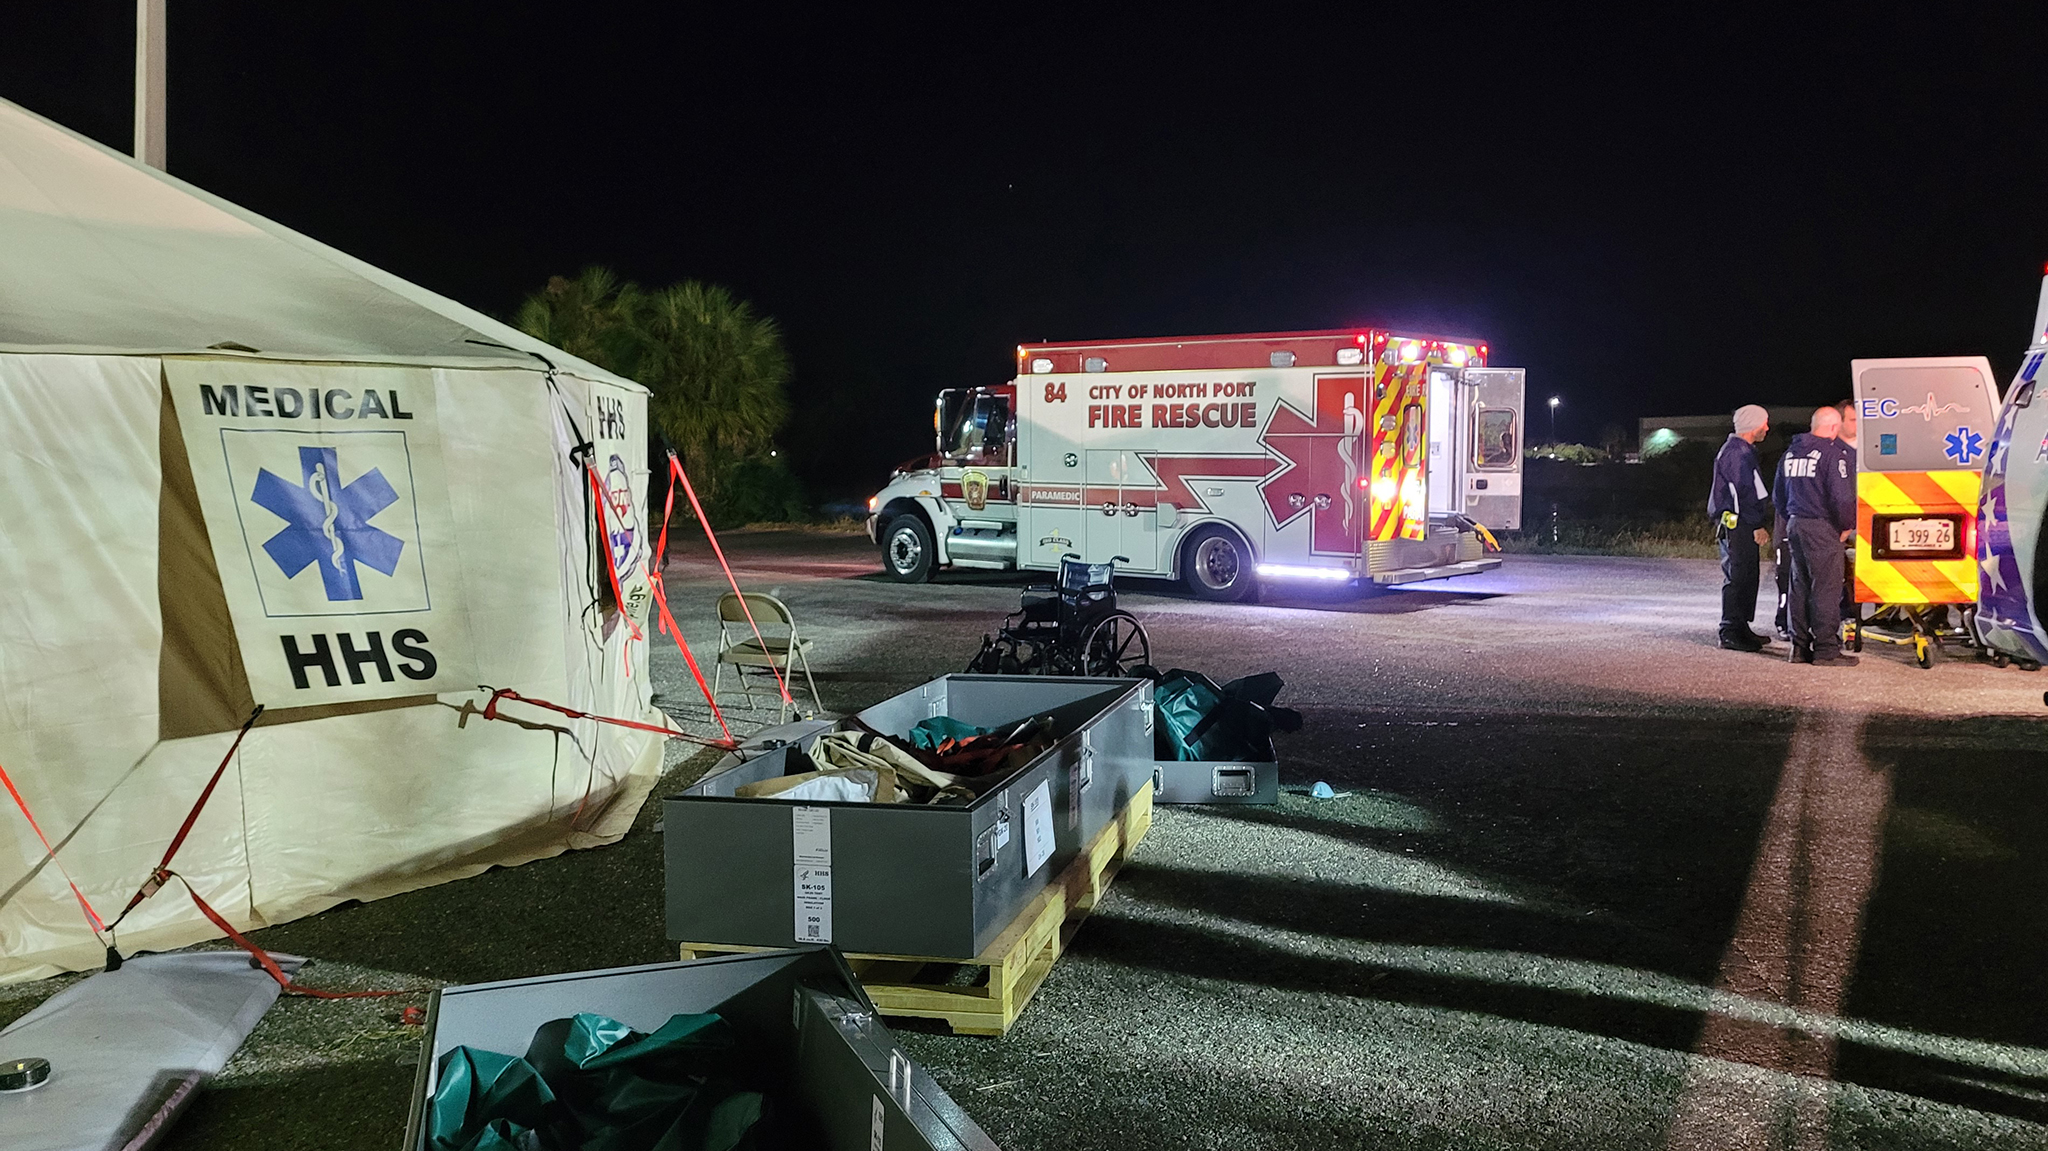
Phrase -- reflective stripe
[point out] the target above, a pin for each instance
(1914, 581)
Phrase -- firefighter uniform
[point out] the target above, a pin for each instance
(1849, 610)
(1815, 491)
(1739, 505)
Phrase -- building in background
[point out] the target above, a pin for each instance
(1662, 433)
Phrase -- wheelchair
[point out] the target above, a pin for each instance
(1072, 627)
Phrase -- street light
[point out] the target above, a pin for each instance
(1554, 401)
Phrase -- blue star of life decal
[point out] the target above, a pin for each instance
(328, 522)
(1964, 445)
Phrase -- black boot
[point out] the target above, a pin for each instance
(1800, 653)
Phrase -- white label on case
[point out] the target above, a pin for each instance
(813, 905)
(875, 1126)
(1038, 833)
(811, 836)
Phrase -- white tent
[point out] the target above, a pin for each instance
(238, 467)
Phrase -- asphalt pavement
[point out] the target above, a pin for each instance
(1590, 881)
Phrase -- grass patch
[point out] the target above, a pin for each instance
(1681, 539)
(840, 526)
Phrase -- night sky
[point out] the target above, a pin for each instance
(1661, 217)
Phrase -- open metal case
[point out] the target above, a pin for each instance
(908, 879)
(799, 1013)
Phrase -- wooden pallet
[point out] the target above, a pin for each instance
(1019, 959)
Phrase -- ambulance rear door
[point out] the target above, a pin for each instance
(1449, 429)
(1492, 447)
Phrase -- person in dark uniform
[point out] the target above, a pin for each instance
(1816, 493)
(1741, 508)
(1848, 441)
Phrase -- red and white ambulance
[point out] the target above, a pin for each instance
(1221, 461)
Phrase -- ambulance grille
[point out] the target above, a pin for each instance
(1379, 555)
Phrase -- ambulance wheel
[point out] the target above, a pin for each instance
(907, 550)
(1216, 565)
(2000, 659)
(2029, 665)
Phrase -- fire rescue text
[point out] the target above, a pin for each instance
(1174, 415)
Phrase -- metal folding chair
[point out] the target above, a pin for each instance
(738, 647)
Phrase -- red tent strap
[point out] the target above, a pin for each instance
(498, 693)
(604, 540)
(270, 965)
(92, 917)
(667, 622)
(162, 871)
(675, 468)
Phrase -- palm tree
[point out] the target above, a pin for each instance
(589, 316)
(715, 369)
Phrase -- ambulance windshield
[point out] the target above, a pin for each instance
(973, 423)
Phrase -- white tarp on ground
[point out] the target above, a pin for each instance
(160, 553)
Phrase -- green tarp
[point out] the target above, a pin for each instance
(594, 1084)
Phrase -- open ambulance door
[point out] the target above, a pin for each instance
(1493, 467)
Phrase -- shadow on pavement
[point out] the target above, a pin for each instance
(1955, 939)
(1657, 826)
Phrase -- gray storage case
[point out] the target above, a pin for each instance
(800, 1013)
(1215, 781)
(902, 879)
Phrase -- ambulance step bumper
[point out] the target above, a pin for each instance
(1415, 575)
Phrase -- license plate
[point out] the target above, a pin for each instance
(1929, 535)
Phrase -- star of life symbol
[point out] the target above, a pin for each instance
(1964, 445)
(328, 522)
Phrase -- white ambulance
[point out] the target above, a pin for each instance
(1221, 461)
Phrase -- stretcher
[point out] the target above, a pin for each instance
(1924, 426)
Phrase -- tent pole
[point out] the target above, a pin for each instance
(149, 82)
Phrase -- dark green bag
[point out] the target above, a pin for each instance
(1235, 722)
(594, 1084)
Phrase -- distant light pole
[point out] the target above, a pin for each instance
(1554, 401)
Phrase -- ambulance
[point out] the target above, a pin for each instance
(1342, 456)
(2012, 606)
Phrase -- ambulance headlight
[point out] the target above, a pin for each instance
(1349, 356)
(873, 502)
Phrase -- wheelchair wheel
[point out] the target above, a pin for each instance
(1116, 646)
